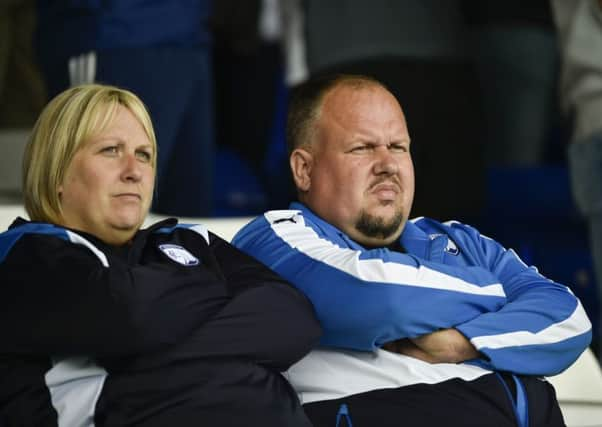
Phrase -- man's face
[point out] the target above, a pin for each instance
(358, 172)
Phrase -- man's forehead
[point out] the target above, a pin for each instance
(351, 97)
(366, 106)
(351, 90)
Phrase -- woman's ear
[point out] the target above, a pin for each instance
(301, 162)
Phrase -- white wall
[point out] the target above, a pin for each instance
(223, 227)
(12, 144)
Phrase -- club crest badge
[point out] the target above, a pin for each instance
(450, 248)
(179, 254)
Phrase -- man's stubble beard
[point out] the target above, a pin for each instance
(376, 227)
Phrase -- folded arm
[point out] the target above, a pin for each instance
(58, 297)
(364, 299)
(267, 320)
(542, 328)
(513, 317)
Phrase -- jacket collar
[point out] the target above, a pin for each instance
(412, 238)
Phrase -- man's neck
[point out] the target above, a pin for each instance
(395, 245)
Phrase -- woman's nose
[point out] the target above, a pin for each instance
(131, 168)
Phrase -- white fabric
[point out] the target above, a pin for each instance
(371, 270)
(75, 385)
(573, 326)
(76, 238)
(331, 374)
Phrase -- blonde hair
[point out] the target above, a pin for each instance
(70, 119)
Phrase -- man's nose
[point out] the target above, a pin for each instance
(385, 163)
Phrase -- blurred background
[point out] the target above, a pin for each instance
(486, 87)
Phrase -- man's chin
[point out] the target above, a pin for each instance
(380, 228)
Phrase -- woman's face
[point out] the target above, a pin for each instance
(108, 187)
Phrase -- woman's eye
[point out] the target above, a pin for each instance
(144, 156)
(112, 150)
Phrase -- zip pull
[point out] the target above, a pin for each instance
(520, 405)
(343, 413)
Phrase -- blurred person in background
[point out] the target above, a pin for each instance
(420, 50)
(579, 25)
(159, 49)
(22, 92)
(513, 46)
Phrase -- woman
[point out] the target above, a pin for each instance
(107, 324)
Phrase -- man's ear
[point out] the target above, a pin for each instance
(301, 162)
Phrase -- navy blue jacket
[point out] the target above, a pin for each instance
(71, 27)
(177, 328)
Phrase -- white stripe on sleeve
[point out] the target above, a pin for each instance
(306, 240)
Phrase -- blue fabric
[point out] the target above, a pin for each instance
(11, 236)
(72, 27)
(343, 414)
(520, 405)
(364, 298)
(161, 51)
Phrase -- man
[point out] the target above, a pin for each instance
(425, 323)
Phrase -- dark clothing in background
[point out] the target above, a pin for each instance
(22, 92)
(419, 50)
(161, 51)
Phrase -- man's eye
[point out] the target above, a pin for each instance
(360, 149)
(398, 147)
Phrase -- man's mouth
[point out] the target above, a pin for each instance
(388, 189)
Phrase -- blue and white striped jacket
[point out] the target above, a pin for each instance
(451, 276)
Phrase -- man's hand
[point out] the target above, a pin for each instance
(408, 348)
(444, 346)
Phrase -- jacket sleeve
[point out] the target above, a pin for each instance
(267, 320)
(364, 299)
(57, 297)
(542, 329)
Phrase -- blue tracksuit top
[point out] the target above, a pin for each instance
(451, 276)
(72, 27)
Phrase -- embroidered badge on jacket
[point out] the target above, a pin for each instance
(179, 254)
(450, 248)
